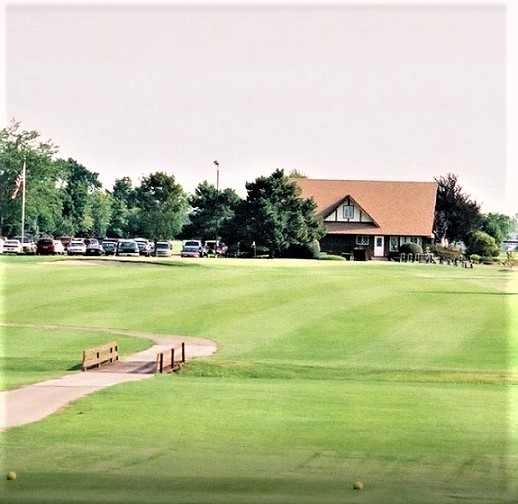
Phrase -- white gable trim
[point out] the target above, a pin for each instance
(348, 211)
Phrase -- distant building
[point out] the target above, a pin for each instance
(511, 243)
(374, 216)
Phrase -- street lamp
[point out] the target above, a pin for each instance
(217, 174)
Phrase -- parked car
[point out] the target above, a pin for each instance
(59, 247)
(193, 248)
(49, 246)
(28, 245)
(76, 247)
(144, 246)
(127, 248)
(65, 240)
(215, 248)
(109, 247)
(163, 249)
(13, 247)
(94, 249)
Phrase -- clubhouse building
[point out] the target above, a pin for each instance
(372, 218)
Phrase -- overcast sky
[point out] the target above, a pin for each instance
(400, 91)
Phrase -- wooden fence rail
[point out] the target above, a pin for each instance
(168, 360)
(97, 356)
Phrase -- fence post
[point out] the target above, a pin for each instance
(183, 352)
(161, 362)
(172, 359)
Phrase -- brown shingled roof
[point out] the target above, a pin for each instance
(398, 208)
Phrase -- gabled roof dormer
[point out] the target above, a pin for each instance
(348, 210)
(393, 207)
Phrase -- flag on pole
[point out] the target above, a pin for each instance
(20, 179)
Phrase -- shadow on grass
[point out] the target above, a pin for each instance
(98, 261)
(470, 293)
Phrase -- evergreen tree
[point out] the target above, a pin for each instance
(211, 211)
(274, 216)
(456, 214)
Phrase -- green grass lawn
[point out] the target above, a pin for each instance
(401, 376)
(34, 354)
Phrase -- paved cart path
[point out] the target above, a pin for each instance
(34, 402)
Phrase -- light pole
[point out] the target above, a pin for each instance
(217, 175)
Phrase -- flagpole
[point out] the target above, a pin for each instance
(23, 201)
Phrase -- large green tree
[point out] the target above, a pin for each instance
(497, 225)
(211, 210)
(123, 219)
(124, 191)
(274, 216)
(456, 214)
(78, 185)
(100, 212)
(162, 206)
(42, 198)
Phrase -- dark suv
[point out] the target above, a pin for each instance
(109, 247)
(127, 248)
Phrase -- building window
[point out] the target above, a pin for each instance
(348, 212)
(394, 244)
(412, 239)
(362, 240)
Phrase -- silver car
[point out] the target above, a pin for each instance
(193, 248)
(163, 249)
(76, 247)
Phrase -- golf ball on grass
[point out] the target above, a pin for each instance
(11, 475)
(358, 485)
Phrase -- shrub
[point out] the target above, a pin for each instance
(511, 260)
(314, 248)
(446, 253)
(303, 250)
(331, 257)
(482, 244)
(410, 248)
(475, 258)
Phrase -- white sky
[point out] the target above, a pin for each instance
(396, 91)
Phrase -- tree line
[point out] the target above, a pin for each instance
(458, 219)
(64, 198)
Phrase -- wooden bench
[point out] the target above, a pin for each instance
(166, 361)
(104, 354)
